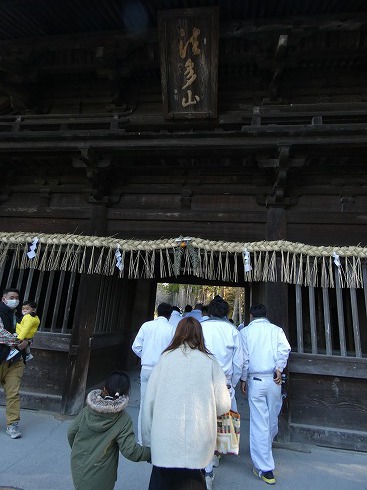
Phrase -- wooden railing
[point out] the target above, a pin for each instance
(330, 321)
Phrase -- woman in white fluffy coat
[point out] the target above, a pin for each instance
(186, 392)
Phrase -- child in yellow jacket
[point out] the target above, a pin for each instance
(26, 329)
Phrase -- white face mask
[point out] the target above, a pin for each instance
(12, 303)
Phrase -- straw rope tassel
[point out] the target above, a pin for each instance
(57, 260)
(235, 274)
(227, 269)
(17, 253)
(273, 271)
(307, 276)
(358, 272)
(109, 263)
(50, 258)
(257, 267)
(98, 267)
(74, 254)
(300, 263)
(162, 268)
(122, 271)
(200, 264)
(265, 267)
(331, 275)
(4, 253)
(220, 267)
(169, 262)
(324, 281)
(211, 266)
(82, 263)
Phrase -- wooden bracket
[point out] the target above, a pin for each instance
(96, 172)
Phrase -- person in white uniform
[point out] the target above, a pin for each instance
(152, 339)
(266, 350)
(196, 312)
(223, 341)
(175, 316)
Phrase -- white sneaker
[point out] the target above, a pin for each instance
(216, 460)
(29, 357)
(13, 430)
(209, 478)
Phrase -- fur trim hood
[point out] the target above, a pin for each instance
(104, 406)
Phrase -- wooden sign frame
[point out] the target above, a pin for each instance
(189, 62)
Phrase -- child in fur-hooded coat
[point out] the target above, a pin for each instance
(97, 434)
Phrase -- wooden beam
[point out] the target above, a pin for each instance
(319, 364)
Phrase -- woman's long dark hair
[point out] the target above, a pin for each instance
(188, 332)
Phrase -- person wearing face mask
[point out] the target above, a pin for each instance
(11, 371)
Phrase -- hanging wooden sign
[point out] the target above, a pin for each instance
(189, 62)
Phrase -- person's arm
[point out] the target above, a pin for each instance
(221, 392)
(8, 338)
(237, 359)
(283, 350)
(128, 446)
(246, 361)
(137, 346)
(73, 429)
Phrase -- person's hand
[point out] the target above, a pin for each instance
(277, 377)
(243, 387)
(22, 345)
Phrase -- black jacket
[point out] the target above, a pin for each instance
(8, 316)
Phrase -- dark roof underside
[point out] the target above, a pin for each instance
(21, 19)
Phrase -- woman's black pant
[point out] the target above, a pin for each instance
(176, 479)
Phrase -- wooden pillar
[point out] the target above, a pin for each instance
(276, 293)
(83, 327)
(276, 298)
(142, 301)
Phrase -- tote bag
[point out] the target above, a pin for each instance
(228, 433)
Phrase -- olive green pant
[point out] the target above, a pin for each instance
(10, 379)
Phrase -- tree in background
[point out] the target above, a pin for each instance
(188, 294)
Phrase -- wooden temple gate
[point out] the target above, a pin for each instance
(108, 128)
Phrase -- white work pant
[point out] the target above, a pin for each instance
(144, 378)
(265, 402)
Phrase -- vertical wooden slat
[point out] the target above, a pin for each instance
(299, 319)
(39, 287)
(98, 328)
(11, 272)
(340, 307)
(327, 326)
(54, 326)
(311, 302)
(364, 269)
(47, 300)
(2, 269)
(69, 299)
(99, 306)
(118, 288)
(28, 285)
(113, 308)
(356, 332)
(107, 322)
(20, 279)
(110, 320)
